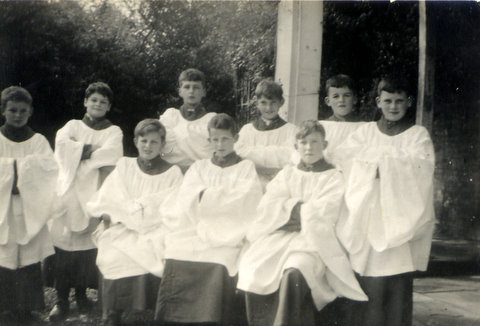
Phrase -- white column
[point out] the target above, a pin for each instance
(426, 66)
(299, 55)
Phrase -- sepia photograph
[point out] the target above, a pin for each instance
(239, 163)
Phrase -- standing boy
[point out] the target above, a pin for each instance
(85, 150)
(295, 264)
(341, 98)
(187, 135)
(218, 198)
(28, 174)
(268, 141)
(389, 195)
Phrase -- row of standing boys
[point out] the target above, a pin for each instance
(209, 225)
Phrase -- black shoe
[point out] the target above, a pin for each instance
(58, 313)
(84, 305)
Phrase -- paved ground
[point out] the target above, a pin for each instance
(447, 301)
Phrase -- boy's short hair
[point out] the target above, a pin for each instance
(308, 127)
(150, 125)
(339, 81)
(100, 88)
(393, 84)
(269, 89)
(17, 94)
(191, 74)
(224, 122)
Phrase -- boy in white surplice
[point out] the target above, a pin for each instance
(388, 227)
(28, 174)
(295, 264)
(132, 202)
(86, 150)
(218, 198)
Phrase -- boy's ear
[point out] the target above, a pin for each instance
(325, 144)
(355, 99)
(85, 102)
(327, 101)
(377, 100)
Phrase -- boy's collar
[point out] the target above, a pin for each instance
(392, 128)
(226, 161)
(318, 166)
(276, 123)
(17, 134)
(154, 166)
(96, 124)
(192, 113)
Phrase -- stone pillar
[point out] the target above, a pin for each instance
(299, 55)
(426, 65)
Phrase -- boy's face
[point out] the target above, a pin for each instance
(311, 147)
(97, 105)
(341, 100)
(269, 107)
(222, 140)
(17, 113)
(192, 92)
(149, 145)
(393, 105)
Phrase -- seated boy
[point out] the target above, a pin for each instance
(341, 98)
(85, 150)
(187, 135)
(131, 201)
(28, 173)
(389, 195)
(295, 264)
(218, 198)
(268, 140)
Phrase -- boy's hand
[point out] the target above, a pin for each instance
(106, 220)
(294, 224)
(92, 225)
(87, 152)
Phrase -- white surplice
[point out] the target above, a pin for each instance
(213, 228)
(315, 250)
(186, 141)
(269, 149)
(24, 236)
(388, 226)
(136, 203)
(79, 179)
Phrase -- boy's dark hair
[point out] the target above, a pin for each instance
(191, 74)
(17, 94)
(224, 122)
(308, 127)
(339, 81)
(393, 84)
(269, 89)
(100, 88)
(150, 125)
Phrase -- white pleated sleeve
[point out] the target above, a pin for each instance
(389, 196)
(186, 141)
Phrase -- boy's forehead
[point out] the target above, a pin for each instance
(13, 103)
(385, 94)
(97, 94)
(343, 89)
(191, 82)
(265, 98)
